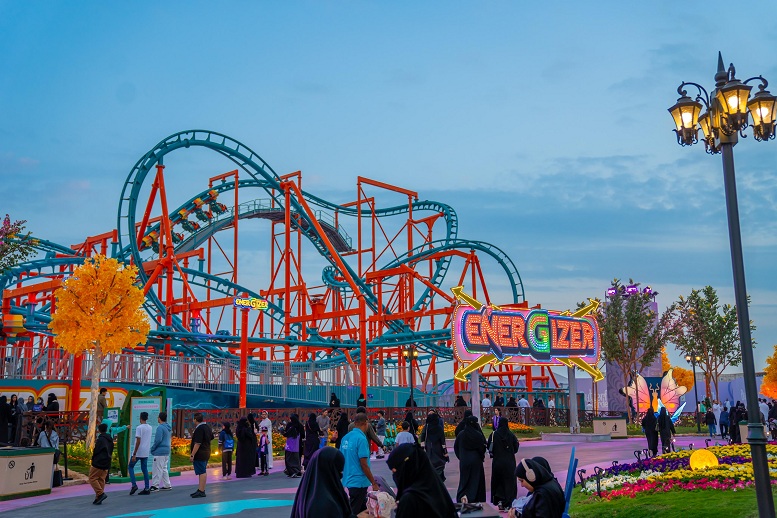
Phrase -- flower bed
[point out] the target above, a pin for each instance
(672, 471)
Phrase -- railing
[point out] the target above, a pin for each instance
(309, 382)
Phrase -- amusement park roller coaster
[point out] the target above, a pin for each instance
(380, 292)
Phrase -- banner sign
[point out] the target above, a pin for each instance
(152, 405)
(250, 303)
(524, 336)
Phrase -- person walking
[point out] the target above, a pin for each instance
(500, 400)
(295, 434)
(323, 424)
(227, 446)
(419, 492)
(380, 431)
(470, 449)
(102, 404)
(413, 423)
(361, 400)
(312, 442)
(266, 423)
(462, 423)
(334, 401)
(711, 422)
(433, 440)
(724, 416)
(200, 453)
(342, 429)
(357, 476)
(160, 449)
(140, 452)
(265, 447)
(460, 401)
(486, 401)
(404, 437)
(666, 430)
(101, 463)
(503, 446)
(245, 462)
(650, 427)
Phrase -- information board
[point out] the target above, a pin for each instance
(152, 405)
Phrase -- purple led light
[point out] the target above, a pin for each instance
(632, 290)
(611, 292)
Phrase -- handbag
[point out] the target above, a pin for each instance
(57, 478)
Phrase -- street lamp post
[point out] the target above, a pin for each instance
(725, 119)
(410, 353)
(693, 360)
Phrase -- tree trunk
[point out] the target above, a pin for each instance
(707, 384)
(97, 361)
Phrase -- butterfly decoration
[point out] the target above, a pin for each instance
(670, 392)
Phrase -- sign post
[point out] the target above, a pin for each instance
(245, 304)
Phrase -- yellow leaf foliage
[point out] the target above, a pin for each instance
(683, 377)
(100, 304)
(769, 385)
(665, 363)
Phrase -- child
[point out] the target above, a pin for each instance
(264, 449)
(405, 437)
(226, 445)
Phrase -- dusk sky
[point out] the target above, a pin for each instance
(544, 125)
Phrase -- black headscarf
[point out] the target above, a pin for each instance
(503, 432)
(541, 468)
(321, 493)
(462, 424)
(413, 423)
(472, 435)
(649, 421)
(418, 486)
(296, 426)
(434, 429)
(342, 425)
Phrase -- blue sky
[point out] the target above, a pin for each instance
(543, 124)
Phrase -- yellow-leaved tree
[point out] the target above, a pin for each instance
(683, 377)
(769, 385)
(99, 310)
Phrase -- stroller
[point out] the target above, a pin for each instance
(391, 436)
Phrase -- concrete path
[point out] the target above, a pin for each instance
(274, 494)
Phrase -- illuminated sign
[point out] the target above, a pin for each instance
(250, 303)
(483, 335)
(528, 337)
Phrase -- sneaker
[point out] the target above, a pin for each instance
(501, 506)
(198, 494)
(153, 489)
(133, 490)
(145, 492)
(100, 499)
(296, 475)
(166, 488)
(266, 473)
(195, 492)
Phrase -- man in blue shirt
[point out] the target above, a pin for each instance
(357, 476)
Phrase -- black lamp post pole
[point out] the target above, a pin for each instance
(696, 394)
(756, 436)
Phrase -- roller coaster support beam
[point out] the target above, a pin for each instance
(363, 344)
(244, 355)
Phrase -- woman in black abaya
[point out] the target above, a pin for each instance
(295, 434)
(433, 437)
(462, 424)
(470, 448)
(312, 442)
(413, 423)
(503, 446)
(419, 492)
(666, 430)
(649, 423)
(245, 465)
(342, 429)
(321, 494)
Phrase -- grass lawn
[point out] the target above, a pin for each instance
(687, 504)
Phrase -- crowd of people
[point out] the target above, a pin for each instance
(12, 410)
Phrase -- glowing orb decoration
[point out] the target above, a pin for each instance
(703, 459)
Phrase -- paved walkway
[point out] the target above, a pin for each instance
(274, 494)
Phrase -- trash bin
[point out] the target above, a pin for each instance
(25, 472)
